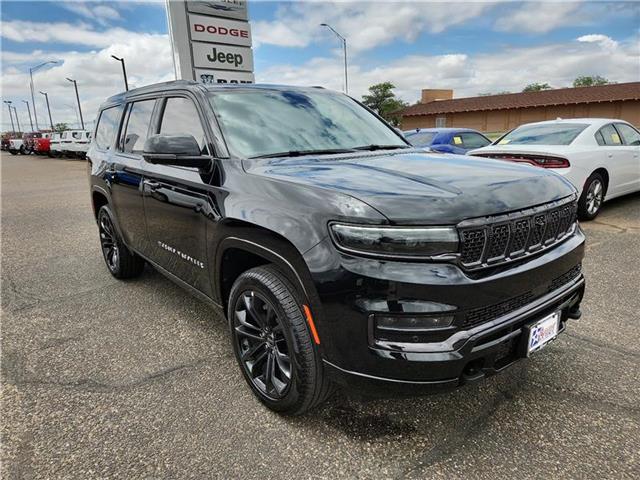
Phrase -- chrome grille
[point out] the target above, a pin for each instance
(493, 240)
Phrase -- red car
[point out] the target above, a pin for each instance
(42, 144)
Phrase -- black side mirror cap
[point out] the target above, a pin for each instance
(179, 150)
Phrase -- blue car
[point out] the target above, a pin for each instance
(447, 140)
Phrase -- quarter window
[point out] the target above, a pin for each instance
(108, 124)
(137, 126)
(181, 117)
(629, 134)
(610, 135)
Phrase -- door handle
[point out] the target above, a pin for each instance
(151, 184)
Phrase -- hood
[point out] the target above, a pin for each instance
(415, 187)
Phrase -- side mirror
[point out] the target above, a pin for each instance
(179, 150)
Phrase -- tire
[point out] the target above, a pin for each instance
(275, 335)
(592, 197)
(121, 262)
(13, 152)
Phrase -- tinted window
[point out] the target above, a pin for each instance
(543, 134)
(267, 122)
(474, 140)
(420, 138)
(629, 134)
(610, 135)
(108, 127)
(138, 126)
(181, 118)
(599, 138)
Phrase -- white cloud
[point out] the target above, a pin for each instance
(68, 33)
(508, 69)
(96, 11)
(603, 40)
(366, 25)
(539, 17)
(148, 60)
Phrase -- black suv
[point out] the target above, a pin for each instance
(340, 254)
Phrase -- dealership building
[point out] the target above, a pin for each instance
(498, 113)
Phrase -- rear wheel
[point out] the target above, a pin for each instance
(121, 262)
(272, 342)
(592, 197)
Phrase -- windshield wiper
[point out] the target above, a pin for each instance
(381, 147)
(300, 153)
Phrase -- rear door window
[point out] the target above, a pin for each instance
(137, 126)
(107, 128)
(610, 135)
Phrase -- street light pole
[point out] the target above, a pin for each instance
(124, 71)
(75, 84)
(13, 128)
(29, 110)
(33, 100)
(344, 49)
(46, 97)
(15, 110)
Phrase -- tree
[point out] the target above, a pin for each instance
(490, 94)
(536, 87)
(590, 81)
(383, 101)
(60, 127)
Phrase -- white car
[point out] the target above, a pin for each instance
(600, 157)
(80, 140)
(16, 145)
(55, 147)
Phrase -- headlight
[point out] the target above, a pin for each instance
(403, 242)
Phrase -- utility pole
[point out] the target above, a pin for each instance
(29, 110)
(46, 97)
(15, 110)
(33, 100)
(344, 50)
(13, 128)
(124, 71)
(75, 84)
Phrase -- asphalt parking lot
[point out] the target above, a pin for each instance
(105, 379)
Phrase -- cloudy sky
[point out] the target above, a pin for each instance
(475, 47)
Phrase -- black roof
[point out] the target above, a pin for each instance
(182, 84)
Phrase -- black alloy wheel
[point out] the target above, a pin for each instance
(273, 344)
(109, 243)
(263, 348)
(121, 262)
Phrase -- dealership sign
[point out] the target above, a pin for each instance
(211, 41)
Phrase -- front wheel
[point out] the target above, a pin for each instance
(592, 197)
(273, 344)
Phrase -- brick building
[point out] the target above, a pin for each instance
(498, 113)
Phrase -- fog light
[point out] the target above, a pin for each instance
(412, 323)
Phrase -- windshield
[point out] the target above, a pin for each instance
(420, 138)
(543, 134)
(258, 123)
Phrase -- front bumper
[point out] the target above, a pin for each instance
(356, 288)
